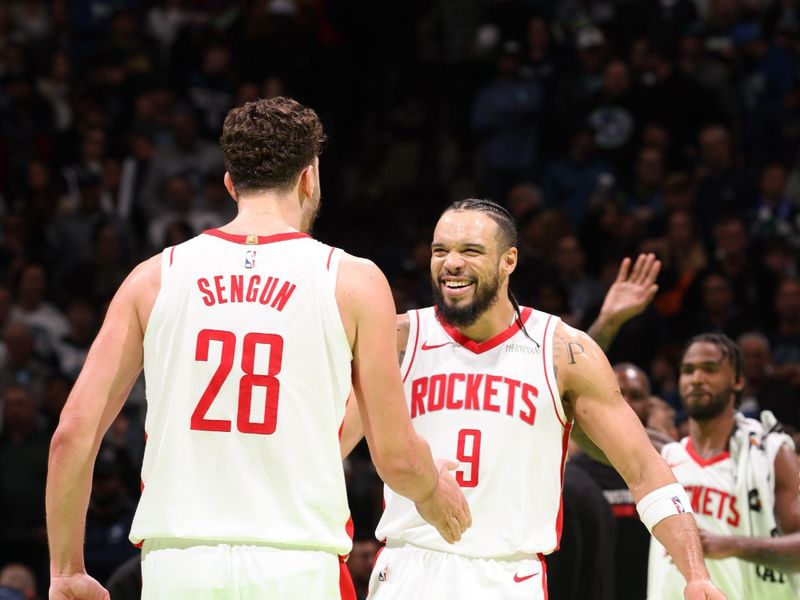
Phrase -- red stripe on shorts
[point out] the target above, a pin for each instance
(544, 574)
(346, 588)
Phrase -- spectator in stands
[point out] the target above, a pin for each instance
(21, 367)
(762, 390)
(46, 321)
(569, 259)
(19, 577)
(108, 522)
(24, 446)
(187, 155)
(580, 180)
(632, 539)
(360, 562)
(785, 338)
(179, 202)
(723, 187)
(504, 118)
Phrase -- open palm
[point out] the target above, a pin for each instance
(633, 289)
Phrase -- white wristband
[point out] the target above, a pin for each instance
(662, 503)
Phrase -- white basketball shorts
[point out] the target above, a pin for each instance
(411, 573)
(199, 570)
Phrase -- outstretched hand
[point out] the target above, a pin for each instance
(633, 289)
(76, 587)
(702, 590)
(447, 508)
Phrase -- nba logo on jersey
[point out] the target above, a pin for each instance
(678, 505)
(383, 575)
(249, 259)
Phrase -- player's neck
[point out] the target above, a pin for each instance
(265, 214)
(710, 437)
(498, 318)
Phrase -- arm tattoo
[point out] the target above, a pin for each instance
(573, 348)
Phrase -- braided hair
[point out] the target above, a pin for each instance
(507, 238)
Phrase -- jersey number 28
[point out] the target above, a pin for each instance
(247, 381)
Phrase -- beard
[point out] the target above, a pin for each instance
(466, 314)
(710, 410)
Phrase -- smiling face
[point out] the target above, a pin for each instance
(708, 383)
(469, 266)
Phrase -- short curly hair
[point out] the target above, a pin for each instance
(267, 143)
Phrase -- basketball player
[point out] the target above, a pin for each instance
(247, 335)
(742, 476)
(498, 387)
(632, 539)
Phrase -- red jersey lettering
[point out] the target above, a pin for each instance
(208, 297)
(451, 403)
(419, 388)
(513, 384)
(472, 401)
(237, 287)
(252, 288)
(489, 392)
(529, 394)
(437, 388)
(283, 296)
(220, 289)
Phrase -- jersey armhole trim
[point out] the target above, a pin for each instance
(167, 258)
(547, 347)
(412, 323)
(330, 256)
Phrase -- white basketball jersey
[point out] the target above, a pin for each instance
(247, 368)
(494, 407)
(710, 484)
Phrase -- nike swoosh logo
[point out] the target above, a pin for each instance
(518, 579)
(425, 346)
(677, 464)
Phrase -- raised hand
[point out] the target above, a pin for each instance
(447, 508)
(634, 288)
(76, 587)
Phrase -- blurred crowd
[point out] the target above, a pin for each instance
(607, 127)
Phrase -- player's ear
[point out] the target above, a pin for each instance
(509, 259)
(738, 383)
(308, 181)
(229, 186)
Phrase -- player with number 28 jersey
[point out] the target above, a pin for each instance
(237, 307)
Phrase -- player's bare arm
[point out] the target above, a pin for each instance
(352, 429)
(401, 457)
(112, 365)
(592, 398)
(781, 553)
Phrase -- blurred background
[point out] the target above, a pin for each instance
(607, 127)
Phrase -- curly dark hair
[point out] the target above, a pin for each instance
(267, 143)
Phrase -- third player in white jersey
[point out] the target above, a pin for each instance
(494, 407)
(710, 484)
